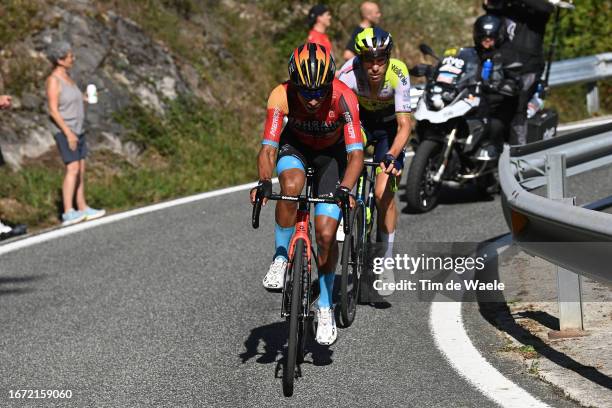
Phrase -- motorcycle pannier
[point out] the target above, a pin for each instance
(543, 125)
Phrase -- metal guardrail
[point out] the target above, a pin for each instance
(534, 219)
(587, 70)
(584, 150)
(578, 240)
(579, 70)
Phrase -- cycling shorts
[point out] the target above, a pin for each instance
(329, 164)
(381, 136)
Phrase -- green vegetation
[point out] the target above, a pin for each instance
(239, 50)
(583, 31)
(534, 368)
(192, 150)
(19, 18)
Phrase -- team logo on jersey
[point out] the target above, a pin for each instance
(400, 74)
(317, 128)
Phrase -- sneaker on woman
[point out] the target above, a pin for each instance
(72, 217)
(326, 327)
(276, 274)
(92, 213)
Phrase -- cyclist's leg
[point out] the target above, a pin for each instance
(290, 168)
(329, 169)
(386, 186)
(384, 193)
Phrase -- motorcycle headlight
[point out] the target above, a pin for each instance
(436, 101)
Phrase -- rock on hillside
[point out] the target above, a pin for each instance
(113, 53)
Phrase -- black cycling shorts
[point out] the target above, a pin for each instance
(381, 136)
(329, 164)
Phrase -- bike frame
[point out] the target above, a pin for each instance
(365, 193)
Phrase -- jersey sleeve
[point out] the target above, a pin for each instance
(278, 107)
(401, 86)
(347, 75)
(349, 108)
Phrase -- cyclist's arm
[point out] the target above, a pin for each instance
(353, 168)
(265, 162)
(402, 107)
(352, 138)
(404, 125)
(277, 109)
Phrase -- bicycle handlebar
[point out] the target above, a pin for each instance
(299, 198)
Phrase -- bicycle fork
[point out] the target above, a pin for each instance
(301, 232)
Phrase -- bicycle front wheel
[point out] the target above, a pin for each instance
(297, 266)
(352, 266)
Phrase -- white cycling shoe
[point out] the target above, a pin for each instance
(387, 278)
(276, 274)
(326, 326)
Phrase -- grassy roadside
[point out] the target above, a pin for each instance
(193, 149)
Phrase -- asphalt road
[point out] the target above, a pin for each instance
(167, 309)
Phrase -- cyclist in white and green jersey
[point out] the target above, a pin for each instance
(382, 86)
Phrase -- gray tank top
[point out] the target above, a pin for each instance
(71, 107)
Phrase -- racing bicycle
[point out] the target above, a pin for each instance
(297, 301)
(355, 247)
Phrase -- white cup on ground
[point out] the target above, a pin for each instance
(92, 94)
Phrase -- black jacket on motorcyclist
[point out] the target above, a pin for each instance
(525, 24)
(500, 77)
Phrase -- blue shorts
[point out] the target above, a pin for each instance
(69, 156)
(382, 137)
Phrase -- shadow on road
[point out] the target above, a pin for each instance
(269, 344)
(450, 196)
(10, 285)
(543, 318)
(498, 314)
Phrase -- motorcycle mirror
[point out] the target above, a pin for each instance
(426, 49)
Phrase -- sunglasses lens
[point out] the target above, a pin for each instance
(316, 94)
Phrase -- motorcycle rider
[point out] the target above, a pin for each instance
(525, 24)
(502, 83)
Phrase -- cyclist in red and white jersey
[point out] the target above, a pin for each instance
(322, 132)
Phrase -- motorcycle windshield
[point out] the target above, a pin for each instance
(458, 70)
(470, 68)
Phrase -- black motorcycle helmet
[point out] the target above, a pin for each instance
(488, 26)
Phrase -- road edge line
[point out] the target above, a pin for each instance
(73, 229)
(452, 340)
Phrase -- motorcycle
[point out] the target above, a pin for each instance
(451, 147)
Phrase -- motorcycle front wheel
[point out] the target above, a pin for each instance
(422, 191)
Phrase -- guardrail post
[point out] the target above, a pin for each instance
(592, 98)
(569, 284)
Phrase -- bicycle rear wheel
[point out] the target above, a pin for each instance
(352, 266)
(297, 266)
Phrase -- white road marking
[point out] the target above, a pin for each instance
(62, 232)
(452, 340)
(445, 317)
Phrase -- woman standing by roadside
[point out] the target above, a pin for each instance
(67, 111)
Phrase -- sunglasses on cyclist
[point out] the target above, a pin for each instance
(375, 60)
(309, 94)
